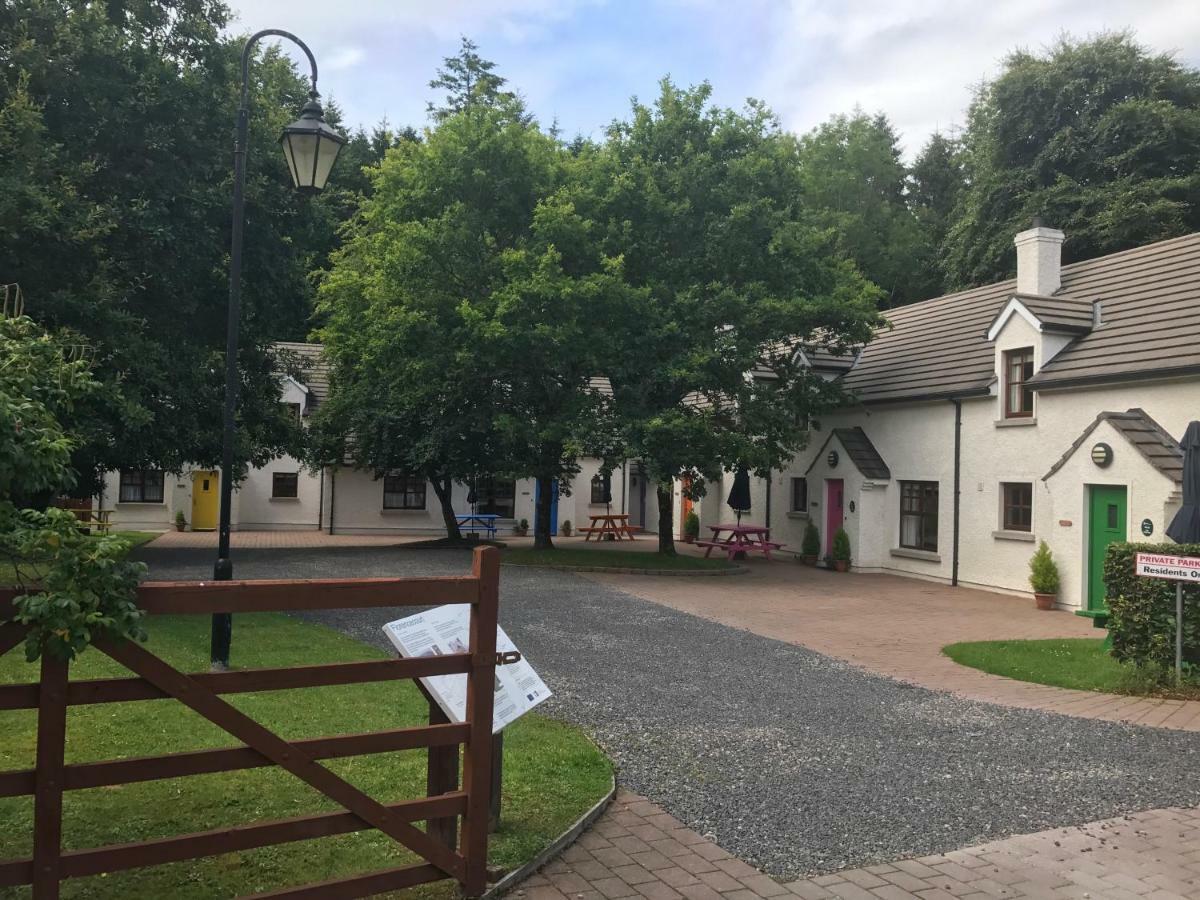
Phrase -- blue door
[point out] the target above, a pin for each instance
(537, 505)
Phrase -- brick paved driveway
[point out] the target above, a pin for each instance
(638, 851)
(897, 626)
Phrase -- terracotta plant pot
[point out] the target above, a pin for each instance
(842, 565)
(179, 526)
(809, 560)
(689, 538)
(1045, 601)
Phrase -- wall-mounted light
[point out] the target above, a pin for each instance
(1102, 455)
(832, 459)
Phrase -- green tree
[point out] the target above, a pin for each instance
(470, 82)
(936, 181)
(726, 274)
(450, 314)
(78, 587)
(1100, 138)
(114, 218)
(855, 184)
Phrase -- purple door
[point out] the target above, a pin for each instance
(833, 511)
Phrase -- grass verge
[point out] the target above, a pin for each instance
(614, 559)
(552, 772)
(1079, 663)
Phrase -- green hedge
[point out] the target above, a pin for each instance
(1142, 620)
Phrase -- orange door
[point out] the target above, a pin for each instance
(685, 503)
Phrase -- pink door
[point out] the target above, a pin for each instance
(833, 511)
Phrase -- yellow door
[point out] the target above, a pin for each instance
(205, 500)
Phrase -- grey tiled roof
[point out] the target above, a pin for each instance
(313, 366)
(1150, 299)
(1148, 437)
(1060, 313)
(860, 450)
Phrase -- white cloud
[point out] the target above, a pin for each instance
(917, 61)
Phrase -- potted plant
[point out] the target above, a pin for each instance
(521, 528)
(691, 527)
(1043, 577)
(810, 545)
(180, 521)
(565, 528)
(841, 550)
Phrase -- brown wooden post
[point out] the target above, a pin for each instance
(477, 764)
(442, 777)
(497, 781)
(47, 801)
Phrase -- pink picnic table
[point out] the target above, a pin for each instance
(741, 539)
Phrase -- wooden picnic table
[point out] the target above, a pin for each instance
(100, 519)
(616, 524)
(741, 539)
(475, 521)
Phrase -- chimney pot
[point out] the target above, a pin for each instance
(1039, 260)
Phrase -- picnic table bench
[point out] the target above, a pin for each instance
(616, 524)
(473, 522)
(742, 539)
(99, 519)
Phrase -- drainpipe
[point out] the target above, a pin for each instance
(332, 488)
(624, 485)
(957, 487)
(321, 500)
(769, 499)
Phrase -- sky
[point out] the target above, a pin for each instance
(579, 62)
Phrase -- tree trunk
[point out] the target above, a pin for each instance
(666, 518)
(443, 487)
(541, 521)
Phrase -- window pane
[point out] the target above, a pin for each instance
(919, 515)
(799, 495)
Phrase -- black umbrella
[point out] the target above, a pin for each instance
(607, 493)
(1185, 527)
(739, 494)
(472, 498)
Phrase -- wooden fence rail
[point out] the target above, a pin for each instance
(446, 848)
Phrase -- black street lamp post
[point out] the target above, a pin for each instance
(311, 148)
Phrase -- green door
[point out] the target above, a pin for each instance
(1106, 523)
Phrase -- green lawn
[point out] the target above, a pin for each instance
(8, 575)
(552, 772)
(621, 559)
(1080, 663)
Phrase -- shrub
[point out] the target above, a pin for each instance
(691, 524)
(179, 519)
(523, 525)
(811, 543)
(1043, 571)
(841, 545)
(1142, 610)
(565, 528)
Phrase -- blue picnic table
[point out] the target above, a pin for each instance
(473, 522)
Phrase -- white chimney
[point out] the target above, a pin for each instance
(1039, 260)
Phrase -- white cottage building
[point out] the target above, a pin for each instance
(1044, 407)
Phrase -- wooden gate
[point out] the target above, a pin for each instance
(444, 856)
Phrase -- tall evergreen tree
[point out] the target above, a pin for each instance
(855, 183)
(936, 181)
(1100, 138)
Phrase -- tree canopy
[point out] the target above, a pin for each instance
(855, 181)
(1100, 138)
(706, 209)
(116, 123)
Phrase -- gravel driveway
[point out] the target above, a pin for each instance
(792, 761)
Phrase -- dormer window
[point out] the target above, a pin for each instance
(1018, 396)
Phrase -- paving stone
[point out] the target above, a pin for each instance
(676, 876)
(634, 874)
(611, 856)
(613, 888)
(720, 881)
(656, 890)
(699, 892)
(651, 860)
(763, 886)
